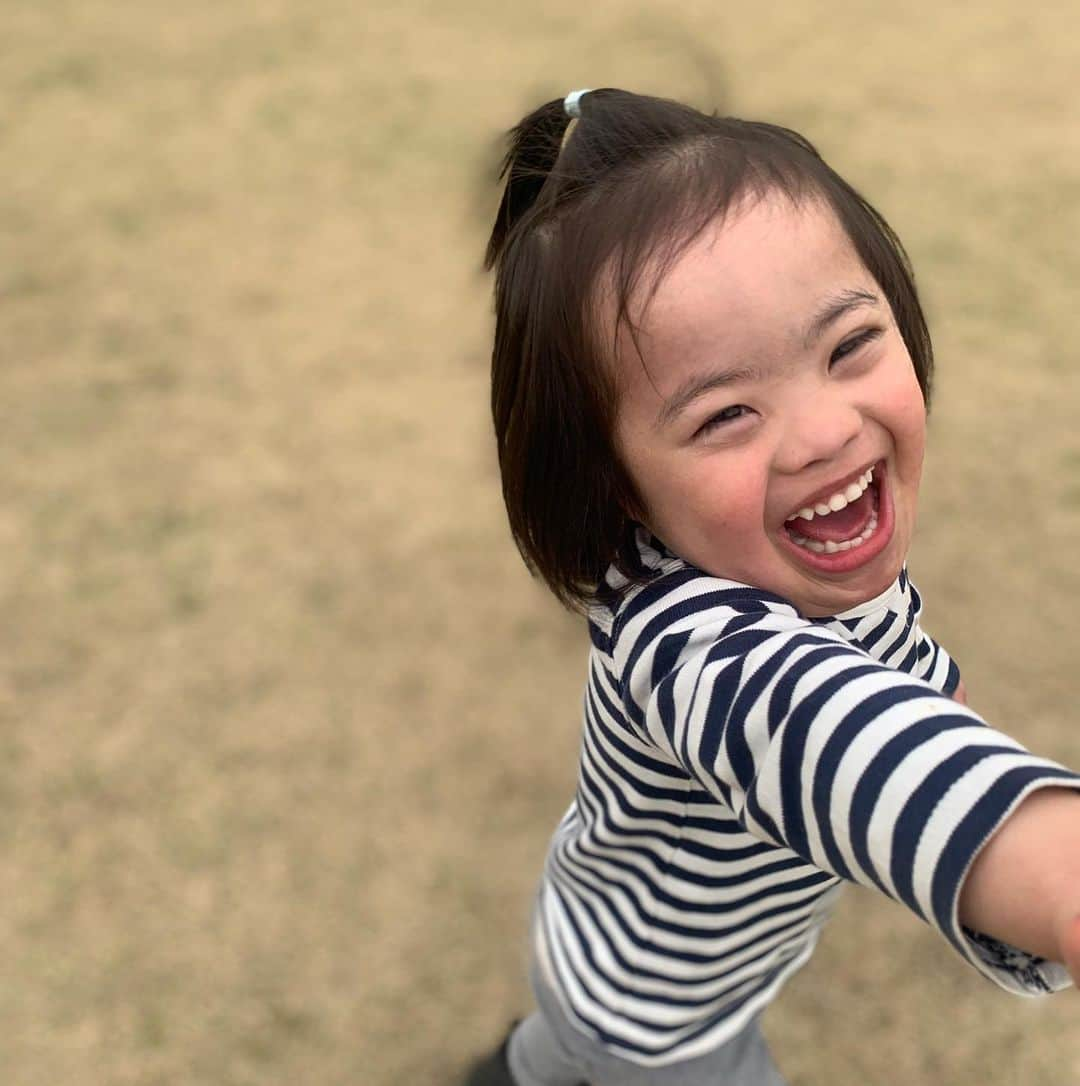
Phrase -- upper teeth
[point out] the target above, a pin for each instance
(835, 502)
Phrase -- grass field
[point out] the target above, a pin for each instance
(284, 725)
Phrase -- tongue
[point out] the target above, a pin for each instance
(835, 527)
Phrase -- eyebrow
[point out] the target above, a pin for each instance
(698, 385)
(834, 309)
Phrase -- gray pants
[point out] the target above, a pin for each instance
(546, 1050)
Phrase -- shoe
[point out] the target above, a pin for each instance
(494, 1069)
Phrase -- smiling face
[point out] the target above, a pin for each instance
(772, 379)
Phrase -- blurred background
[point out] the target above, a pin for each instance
(284, 723)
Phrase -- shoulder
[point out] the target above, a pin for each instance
(671, 611)
(667, 594)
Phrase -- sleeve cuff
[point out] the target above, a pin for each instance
(1008, 966)
(1014, 969)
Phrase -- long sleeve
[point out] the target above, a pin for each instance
(862, 770)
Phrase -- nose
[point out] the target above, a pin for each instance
(817, 428)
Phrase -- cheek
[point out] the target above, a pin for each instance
(691, 500)
(740, 506)
(915, 429)
(905, 410)
(659, 487)
(727, 506)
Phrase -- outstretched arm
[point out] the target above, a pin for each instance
(1024, 886)
(860, 770)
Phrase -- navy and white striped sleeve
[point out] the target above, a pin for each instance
(860, 769)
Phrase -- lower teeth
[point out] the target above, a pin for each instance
(844, 545)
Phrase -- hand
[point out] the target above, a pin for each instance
(960, 693)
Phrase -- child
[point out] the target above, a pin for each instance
(710, 380)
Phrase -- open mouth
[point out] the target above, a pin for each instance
(844, 529)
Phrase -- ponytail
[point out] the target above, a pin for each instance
(535, 144)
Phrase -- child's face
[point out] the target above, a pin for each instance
(774, 379)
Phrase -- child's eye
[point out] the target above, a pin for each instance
(852, 344)
(721, 418)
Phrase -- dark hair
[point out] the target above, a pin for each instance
(616, 198)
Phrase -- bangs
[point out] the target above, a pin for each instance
(623, 238)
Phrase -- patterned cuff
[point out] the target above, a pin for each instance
(1013, 968)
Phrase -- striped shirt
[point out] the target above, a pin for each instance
(739, 762)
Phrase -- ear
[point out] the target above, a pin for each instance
(627, 499)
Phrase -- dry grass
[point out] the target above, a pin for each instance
(284, 724)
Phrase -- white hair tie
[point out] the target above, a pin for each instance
(572, 102)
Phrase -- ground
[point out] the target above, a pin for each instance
(284, 723)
